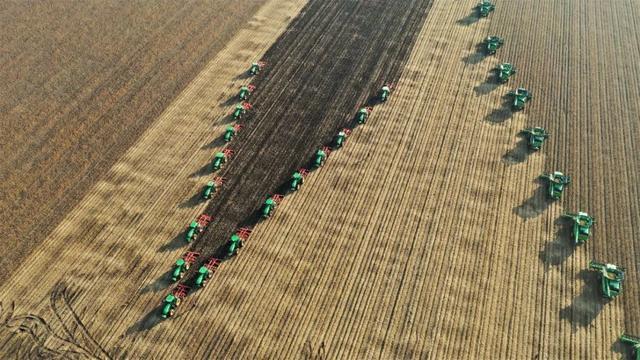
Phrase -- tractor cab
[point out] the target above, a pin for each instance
(340, 138)
(557, 182)
(611, 277)
(270, 205)
(520, 97)
(384, 92)
(245, 92)
(235, 243)
(505, 70)
(192, 230)
(321, 156)
(173, 300)
(535, 137)
(297, 179)
(256, 67)
(493, 43)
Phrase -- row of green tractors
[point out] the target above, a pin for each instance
(611, 276)
(200, 224)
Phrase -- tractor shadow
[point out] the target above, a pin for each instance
(536, 204)
(205, 170)
(158, 284)
(557, 251)
(231, 100)
(469, 19)
(489, 85)
(372, 101)
(151, 319)
(176, 243)
(518, 154)
(586, 306)
(242, 76)
(477, 56)
(216, 143)
(502, 114)
(625, 351)
(194, 200)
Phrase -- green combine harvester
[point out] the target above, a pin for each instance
(582, 224)
(246, 91)
(197, 226)
(236, 241)
(231, 131)
(220, 158)
(321, 156)
(340, 138)
(535, 137)
(270, 205)
(256, 67)
(634, 341)
(521, 96)
(206, 271)
(385, 91)
(557, 182)
(241, 109)
(485, 7)
(611, 276)
(297, 179)
(363, 114)
(183, 264)
(493, 43)
(505, 70)
(211, 187)
(173, 300)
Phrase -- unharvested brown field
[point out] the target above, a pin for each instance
(80, 81)
(426, 236)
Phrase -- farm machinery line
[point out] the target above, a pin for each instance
(236, 241)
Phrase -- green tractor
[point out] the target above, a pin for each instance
(297, 179)
(246, 91)
(505, 70)
(485, 7)
(557, 182)
(582, 224)
(521, 96)
(340, 138)
(611, 276)
(173, 300)
(183, 264)
(493, 43)
(535, 137)
(236, 241)
(241, 109)
(220, 158)
(211, 187)
(231, 131)
(321, 156)
(197, 226)
(206, 271)
(256, 67)
(270, 205)
(363, 114)
(385, 91)
(634, 341)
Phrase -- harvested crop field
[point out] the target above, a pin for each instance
(425, 236)
(78, 89)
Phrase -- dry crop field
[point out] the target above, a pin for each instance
(79, 83)
(426, 236)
